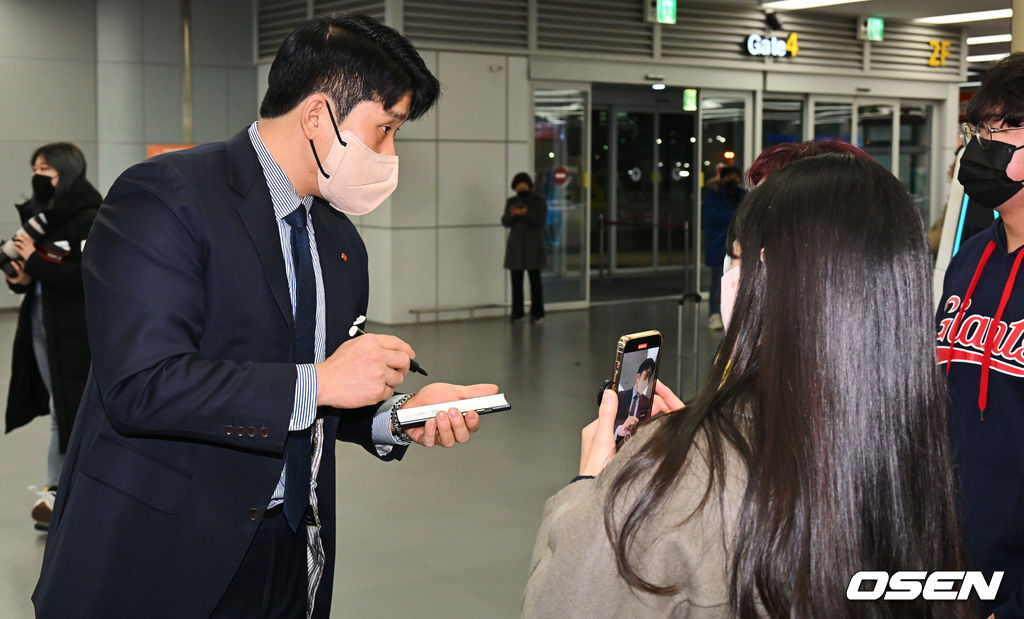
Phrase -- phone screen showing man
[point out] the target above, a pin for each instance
(636, 391)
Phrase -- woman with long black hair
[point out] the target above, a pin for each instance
(51, 350)
(816, 448)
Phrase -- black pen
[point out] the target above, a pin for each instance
(413, 366)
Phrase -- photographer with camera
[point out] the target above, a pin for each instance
(43, 261)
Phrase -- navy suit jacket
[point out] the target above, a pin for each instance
(625, 399)
(179, 440)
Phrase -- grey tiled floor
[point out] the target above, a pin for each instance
(444, 533)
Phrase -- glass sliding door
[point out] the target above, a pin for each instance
(560, 165)
(676, 178)
(833, 120)
(634, 180)
(645, 178)
(915, 153)
(875, 131)
(782, 120)
(724, 127)
(725, 131)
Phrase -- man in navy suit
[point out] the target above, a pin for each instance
(635, 403)
(220, 284)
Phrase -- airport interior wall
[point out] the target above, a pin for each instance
(106, 75)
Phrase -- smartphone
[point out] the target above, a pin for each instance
(637, 361)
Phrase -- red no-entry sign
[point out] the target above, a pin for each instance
(561, 175)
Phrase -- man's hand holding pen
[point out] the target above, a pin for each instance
(362, 371)
(367, 368)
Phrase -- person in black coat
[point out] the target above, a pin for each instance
(51, 349)
(525, 216)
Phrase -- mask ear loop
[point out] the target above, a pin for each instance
(335, 125)
(336, 134)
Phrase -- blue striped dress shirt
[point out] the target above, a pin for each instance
(285, 199)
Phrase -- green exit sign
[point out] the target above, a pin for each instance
(876, 28)
(666, 11)
(690, 100)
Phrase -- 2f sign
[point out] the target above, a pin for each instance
(912, 585)
(940, 50)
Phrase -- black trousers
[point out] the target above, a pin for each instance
(536, 294)
(271, 581)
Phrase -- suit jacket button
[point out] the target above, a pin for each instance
(254, 514)
(264, 431)
(252, 431)
(228, 429)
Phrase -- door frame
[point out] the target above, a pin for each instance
(614, 108)
(748, 97)
(585, 156)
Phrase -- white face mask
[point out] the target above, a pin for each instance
(640, 386)
(354, 178)
(730, 283)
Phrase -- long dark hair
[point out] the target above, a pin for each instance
(826, 388)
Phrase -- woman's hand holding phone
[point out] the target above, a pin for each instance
(664, 400)
(598, 438)
(598, 442)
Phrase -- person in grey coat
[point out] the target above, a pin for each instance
(525, 216)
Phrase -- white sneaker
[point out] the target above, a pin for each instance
(715, 322)
(42, 511)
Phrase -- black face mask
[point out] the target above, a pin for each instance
(983, 173)
(522, 194)
(42, 188)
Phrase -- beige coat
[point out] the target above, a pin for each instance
(573, 571)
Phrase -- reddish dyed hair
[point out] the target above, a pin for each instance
(769, 161)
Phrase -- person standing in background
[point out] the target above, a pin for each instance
(718, 205)
(51, 357)
(525, 216)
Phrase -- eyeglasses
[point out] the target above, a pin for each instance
(984, 134)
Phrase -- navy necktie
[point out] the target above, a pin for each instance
(298, 456)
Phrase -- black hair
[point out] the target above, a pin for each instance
(729, 169)
(646, 364)
(351, 58)
(67, 159)
(1001, 94)
(826, 390)
(773, 159)
(522, 177)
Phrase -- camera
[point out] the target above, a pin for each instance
(35, 228)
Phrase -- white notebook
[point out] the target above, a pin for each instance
(417, 415)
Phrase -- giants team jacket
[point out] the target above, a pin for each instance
(981, 349)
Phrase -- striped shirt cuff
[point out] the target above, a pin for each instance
(304, 408)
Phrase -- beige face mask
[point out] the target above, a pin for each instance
(354, 178)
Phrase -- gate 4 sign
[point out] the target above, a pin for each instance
(758, 45)
(940, 49)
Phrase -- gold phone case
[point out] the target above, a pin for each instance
(620, 351)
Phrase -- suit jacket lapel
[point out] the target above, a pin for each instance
(257, 213)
